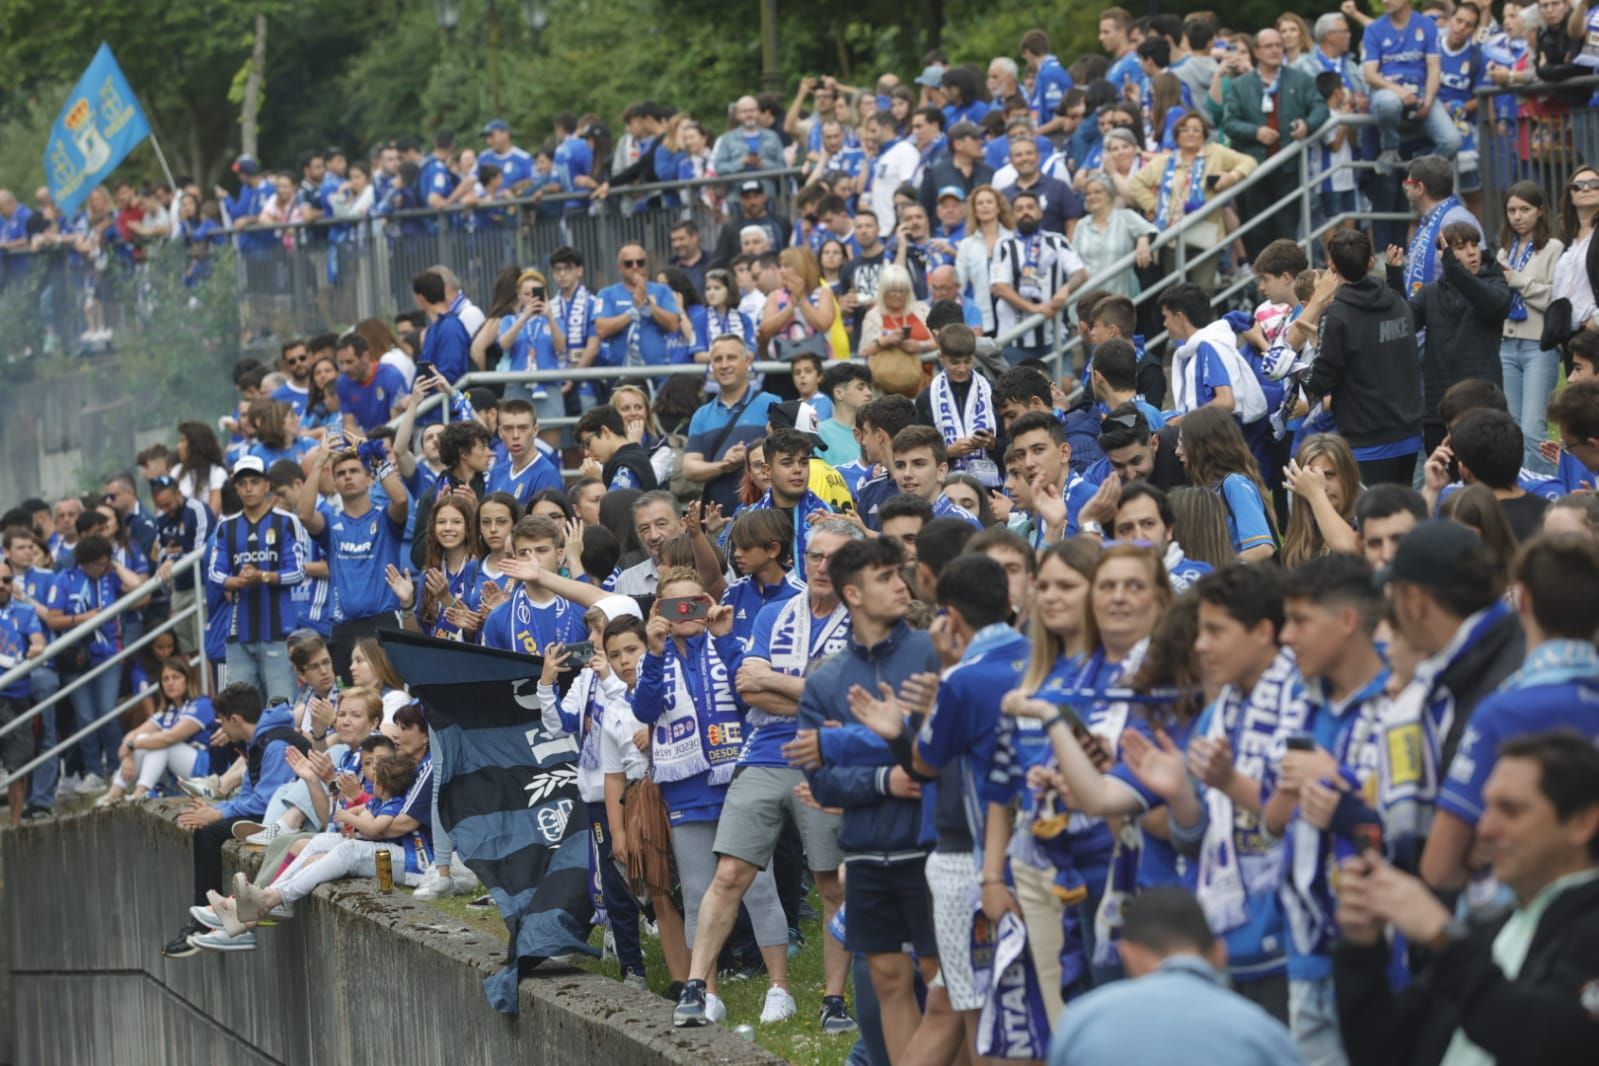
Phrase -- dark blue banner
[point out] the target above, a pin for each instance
(508, 796)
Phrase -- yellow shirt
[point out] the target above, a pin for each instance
(830, 486)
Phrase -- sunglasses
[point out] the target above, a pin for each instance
(633, 262)
(1127, 421)
(1585, 185)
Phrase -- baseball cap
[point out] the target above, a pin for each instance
(952, 190)
(796, 415)
(162, 481)
(482, 398)
(751, 186)
(247, 165)
(931, 77)
(496, 125)
(964, 129)
(249, 466)
(332, 150)
(1429, 554)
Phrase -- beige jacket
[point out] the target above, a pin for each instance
(1536, 284)
(1219, 159)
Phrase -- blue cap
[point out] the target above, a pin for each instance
(246, 165)
(931, 77)
(496, 125)
(952, 190)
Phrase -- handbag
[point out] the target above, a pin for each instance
(649, 839)
(894, 370)
(1557, 328)
(785, 350)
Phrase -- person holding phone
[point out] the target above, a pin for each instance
(685, 693)
(1178, 183)
(532, 339)
(960, 405)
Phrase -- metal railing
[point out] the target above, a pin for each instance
(1540, 132)
(192, 564)
(294, 278)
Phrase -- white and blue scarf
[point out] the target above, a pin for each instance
(574, 316)
(718, 323)
(1555, 662)
(956, 424)
(1413, 731)
(1423, 251)
(1236, 862)
(1013, 1022)
(1194, 196)
(798, 642)
(1307, 894)
(1519, 254)
(701, 729)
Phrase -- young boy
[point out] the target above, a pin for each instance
(960, 405)
(1571, 473)
(524, 472)
(875, 427)
(1269, 351)
(1232, 746)
(1330, 612)
(1336, 192)
(1116, 318)
(763, 551)
(849, 388)
(806, 371)
(623, 464)
(788, 456)
(920, 465)
(1114, 379)
(544, 608)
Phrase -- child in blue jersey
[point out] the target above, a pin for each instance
(1556, 594)
(762, 543)
(1236, 741)
(176, 737)
(544, 608)
(1331, 608)
(1573, 411)
(686, 696)
(446, 603)
(524, 472)
(1213, 450)
(313, 596)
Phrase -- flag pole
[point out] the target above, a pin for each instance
(161, 157)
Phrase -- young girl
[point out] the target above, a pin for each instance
(685, 346)
(1212, 448)
(450, 595)
(176, 737)
(1529, 265)
(597, 698)
(496, 516)
(722, 315)
(686, 694)
(370, 667)
(1325, 480)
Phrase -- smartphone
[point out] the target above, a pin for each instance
(424, 370)
(580, 652)
(1213, 181)
(1301, 742)
(684, 608)
(538, 292)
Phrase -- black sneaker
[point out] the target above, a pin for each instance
(690, 1009)
(835, 1016)
(34, 814)
(180, 948)
(672, 991)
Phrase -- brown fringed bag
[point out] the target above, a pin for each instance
(649, 840)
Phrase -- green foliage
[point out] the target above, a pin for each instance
(23, 138)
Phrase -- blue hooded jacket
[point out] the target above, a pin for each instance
(855, 762)
(256, 791)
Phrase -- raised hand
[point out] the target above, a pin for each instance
(881, 713)
(401, 584)
(1158, 765)
(918, 692)
(1211, 760)
(492, 595)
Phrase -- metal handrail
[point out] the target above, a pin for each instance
(194, 561)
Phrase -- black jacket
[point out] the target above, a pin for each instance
(943, 172)
(1483, 667)
(1464, 315)
(634, 459)
(1367, 365)
(1547, 1016)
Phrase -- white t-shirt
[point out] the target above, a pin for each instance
(1337, 160)
(399, 360)
(894, 168)
(187, 483)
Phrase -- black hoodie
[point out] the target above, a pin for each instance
(636, 461)
(1463, 315)
(1368, 365)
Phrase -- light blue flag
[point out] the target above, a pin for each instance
(98, 126)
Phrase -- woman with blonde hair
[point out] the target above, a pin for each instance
(532, 339)
(1325, 481)
(803, 308)
(988, 222)
(894, 334)
(633, 403)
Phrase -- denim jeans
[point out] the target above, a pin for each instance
(90, 702)
(44, 682)
(1313, 1021)
(1530, 376)
(1437, 127)
(264, 664)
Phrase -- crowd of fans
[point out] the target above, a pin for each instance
(1267, 664)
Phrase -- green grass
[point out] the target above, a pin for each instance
(800, 1039)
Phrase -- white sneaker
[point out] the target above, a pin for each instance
(67, 786)
(436, 887)
(91, 783)
(466, 882)
(219, 940)
(779, 1006)
(108, 799)
(265, 836)
(206, 917)
(715, 1009)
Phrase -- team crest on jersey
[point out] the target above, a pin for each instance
(271, 537)
(372, 529)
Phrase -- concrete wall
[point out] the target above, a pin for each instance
(355, 978)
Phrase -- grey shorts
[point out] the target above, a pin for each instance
(752, 819)
(16, 747)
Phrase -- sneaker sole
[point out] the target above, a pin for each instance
(835, 1028)
(181, 953)
(222, 947)
(690, 1023)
